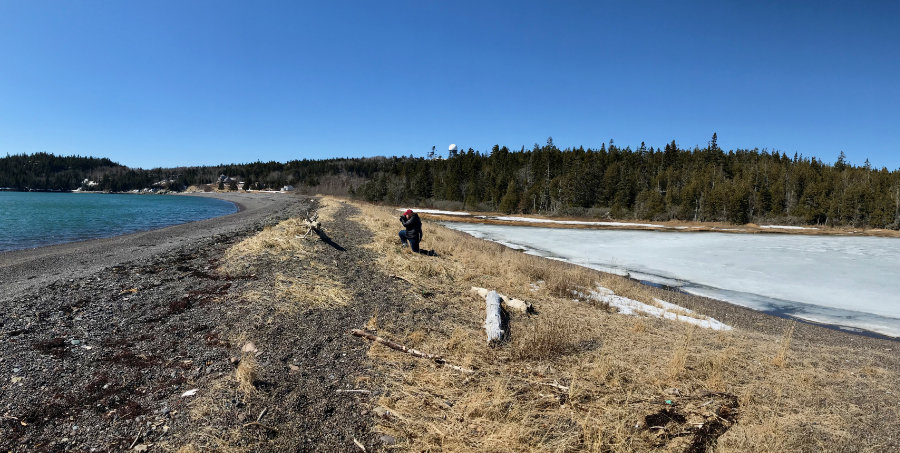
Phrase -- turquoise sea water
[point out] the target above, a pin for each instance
(34, 219)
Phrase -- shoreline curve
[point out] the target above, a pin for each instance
(24, 269)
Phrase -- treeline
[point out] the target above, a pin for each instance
(43, 171)
(706, 184)
(47, 172)
(699, 184)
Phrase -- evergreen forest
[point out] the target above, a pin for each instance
(699, 184)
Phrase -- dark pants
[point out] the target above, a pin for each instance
(413, 241)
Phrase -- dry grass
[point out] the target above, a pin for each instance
(575, 377)
(247, 373)
(290, 293)
(300, 281)
(780, 359)
(280, 243)
(545, 338)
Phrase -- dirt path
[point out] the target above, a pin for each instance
(100, 363)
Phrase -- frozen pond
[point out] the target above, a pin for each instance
(845, 281)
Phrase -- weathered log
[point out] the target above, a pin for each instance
(518, 305)
(312, 223)
(399, 347)
(492, 319)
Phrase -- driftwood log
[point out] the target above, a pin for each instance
(509, 303)
(416, 353)
(312, 223)
(492, 318)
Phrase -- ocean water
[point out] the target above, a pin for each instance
(852, 282)
(35, 219)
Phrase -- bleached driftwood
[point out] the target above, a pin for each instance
(399, 347)
(492, 319)
(312, 223)
(518, 305)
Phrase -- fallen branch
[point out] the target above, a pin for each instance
(555, 385)
(261, 414)
(397, 277)
(140, 431)
(518, 305)
(399, 347)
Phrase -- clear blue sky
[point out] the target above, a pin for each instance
(159, 83)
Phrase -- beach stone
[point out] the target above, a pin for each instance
(388, 440)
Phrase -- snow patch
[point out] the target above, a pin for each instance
(788, 227)
(567, 222)
(436, 211)
(664, 310)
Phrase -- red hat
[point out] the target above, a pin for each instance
(408, 212)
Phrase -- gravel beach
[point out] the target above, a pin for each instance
(98, 335)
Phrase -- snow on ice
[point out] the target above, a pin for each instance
(435, 211)
(788, 227)
(568, 222)
(662, 309)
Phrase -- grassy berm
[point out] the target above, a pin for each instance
(280, 370)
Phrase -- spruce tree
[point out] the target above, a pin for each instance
(510, 201)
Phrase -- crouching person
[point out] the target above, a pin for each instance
(413, 231)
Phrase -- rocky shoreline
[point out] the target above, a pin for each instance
(96, 338)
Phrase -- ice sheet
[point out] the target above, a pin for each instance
(848, 281)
